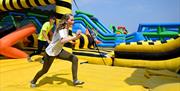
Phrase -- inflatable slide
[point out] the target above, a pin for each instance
(9, 40)
(106, 36)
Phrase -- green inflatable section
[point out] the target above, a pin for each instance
(99, 35)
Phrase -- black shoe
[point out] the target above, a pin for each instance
(77, 82)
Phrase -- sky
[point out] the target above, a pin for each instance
(131, 13)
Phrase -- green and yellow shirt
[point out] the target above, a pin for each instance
(46, 27)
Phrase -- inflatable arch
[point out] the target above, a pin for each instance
(62, 7)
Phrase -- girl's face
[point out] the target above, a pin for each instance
(70, 21)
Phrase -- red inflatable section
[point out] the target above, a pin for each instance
(7, 41)
(13, 53)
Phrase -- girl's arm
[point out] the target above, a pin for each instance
(65, 40)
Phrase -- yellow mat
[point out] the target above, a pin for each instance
(15, 75)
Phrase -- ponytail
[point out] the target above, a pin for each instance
(63, 22)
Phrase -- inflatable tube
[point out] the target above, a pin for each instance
(89, 53)
(85, 41)
(80, 12)
(168, 87)
(35, 37)
(77, 44)
(7, 41)
(68, 49)
(96, 60)
(149, 50)
(170, 64)
(13, 53)
(30, 41)
(19, 34)
(93, 56)
(6, 5)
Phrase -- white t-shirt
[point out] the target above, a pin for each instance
(55, 47)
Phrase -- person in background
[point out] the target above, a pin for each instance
(43, 39)
(92, 33)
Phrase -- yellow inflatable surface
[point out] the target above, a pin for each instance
(15, 75)
(168, 87)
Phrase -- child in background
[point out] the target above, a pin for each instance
(43, 39)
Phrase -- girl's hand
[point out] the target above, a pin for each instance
(78, 34)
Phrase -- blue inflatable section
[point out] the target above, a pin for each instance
(80, 23)
(153, 27)
(27, 19)
(33, 20)
(159, 31)
(104, 28)
(105, 43)
(94, 25)
(134, 37)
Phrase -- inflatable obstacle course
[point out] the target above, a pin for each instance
(9, 40)
(62, 7)
(159, 31)
(105, 35)
(149, 50)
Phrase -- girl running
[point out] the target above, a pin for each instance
(54, 49)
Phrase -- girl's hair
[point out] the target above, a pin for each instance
(63, 22)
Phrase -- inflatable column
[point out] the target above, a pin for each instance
(63, 7)
(8, 5)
